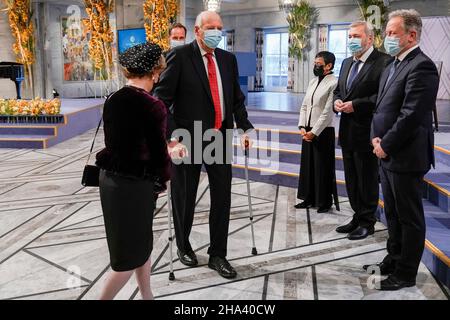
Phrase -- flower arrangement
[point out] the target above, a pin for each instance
(22, 29)
(100, 44)
(158, 16)
(33, 107)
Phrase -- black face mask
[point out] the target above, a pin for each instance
(318, 71)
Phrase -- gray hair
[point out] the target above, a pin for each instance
(411, 20)
(202, 15)
(368, 27)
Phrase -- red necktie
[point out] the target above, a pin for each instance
(213, 85)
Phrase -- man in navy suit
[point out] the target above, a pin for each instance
(355, 97)
(201, 86)
(402, 136)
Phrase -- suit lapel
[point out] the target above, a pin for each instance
(361, 74)
(346, 71)
(400, 68)
(199, 65)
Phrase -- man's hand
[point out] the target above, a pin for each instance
(376, 141)
(338, 105)
(177, 150)
(347, 107)
(309, 136)
(377, 149)
(246, 142)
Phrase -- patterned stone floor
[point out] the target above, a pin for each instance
(53, 246)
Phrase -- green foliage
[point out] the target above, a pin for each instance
(377, 17)
(301, 18)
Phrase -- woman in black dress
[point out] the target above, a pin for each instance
(315, 186)
(135, 158)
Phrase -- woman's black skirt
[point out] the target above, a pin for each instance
(317, 169)
(128, 205)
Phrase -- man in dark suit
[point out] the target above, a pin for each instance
(402, 136)
(201, 85)
(355, 97)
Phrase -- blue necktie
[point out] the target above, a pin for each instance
(392, 71)
(353, 74)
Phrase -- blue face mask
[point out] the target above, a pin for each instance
(212, 38)
(392, 45)
(177, 43)
(355, 45)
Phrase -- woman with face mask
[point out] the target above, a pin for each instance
(317, 167)
(134, 163)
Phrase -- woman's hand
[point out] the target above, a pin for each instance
(309, 136)
(302, 131)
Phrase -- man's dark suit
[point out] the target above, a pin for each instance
(184, 86)
(403, 120)
(360, 164)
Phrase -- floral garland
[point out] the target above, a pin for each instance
(22, 29)
(100, 44)
(158, 16)
(33, 107)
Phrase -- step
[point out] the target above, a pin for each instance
(23, 129)
(436, 255)
(24, 141)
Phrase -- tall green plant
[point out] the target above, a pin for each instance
(301, 18)
(375, 12)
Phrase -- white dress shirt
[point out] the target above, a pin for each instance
(219, 78)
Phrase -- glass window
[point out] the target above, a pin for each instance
(276, 58)
(337, 44)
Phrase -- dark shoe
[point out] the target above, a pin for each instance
(361, 233)
(347, 228)
(323, 209)
(393, 284)
(384, 268)
(188, 258)
(222, 266)
(302, 205)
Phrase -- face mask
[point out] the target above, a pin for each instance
(177, 43)
(212, 38)
(392, 45)
(318, 71)
(355, 45)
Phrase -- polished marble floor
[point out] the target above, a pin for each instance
(53, 246)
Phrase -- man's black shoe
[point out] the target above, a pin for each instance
(188, 258)
(361, 233)
(383, 268)
(323, 209)
(392, 284)
(303, 205)
(347, 228)
(222, 266)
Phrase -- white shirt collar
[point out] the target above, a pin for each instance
(203, 52)
(366, 55)
(404, 54)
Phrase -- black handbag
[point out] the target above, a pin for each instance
(91, 173)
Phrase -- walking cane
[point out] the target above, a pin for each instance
(169, 222)
(254, 252)
(335, 194)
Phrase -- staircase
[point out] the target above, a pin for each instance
(276, 160)
(79, 116)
